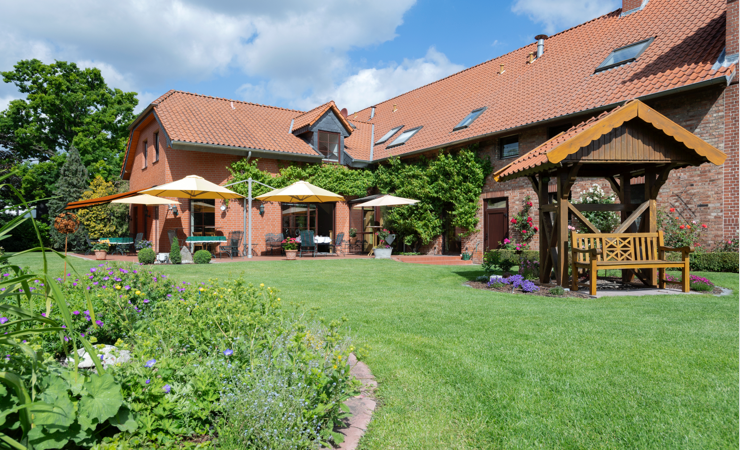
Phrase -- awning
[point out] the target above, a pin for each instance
(100, 200)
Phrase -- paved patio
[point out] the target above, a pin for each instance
(132, 258)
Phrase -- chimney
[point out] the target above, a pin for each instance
(540, 44)
(629, 5)
(731, 45)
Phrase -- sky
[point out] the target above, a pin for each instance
(287, 53)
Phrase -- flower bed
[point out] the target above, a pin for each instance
(227, 360)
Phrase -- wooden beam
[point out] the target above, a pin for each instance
(535, 185)
(626, 198)
(662, 178)
(543, 199)
(630, 220)
(616, 207)
(565, 183)
(651, 217)
(615, 187)
(581, 217)
(572, 177)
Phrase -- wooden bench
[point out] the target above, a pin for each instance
(626, 251)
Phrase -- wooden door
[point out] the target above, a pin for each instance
(496, 222)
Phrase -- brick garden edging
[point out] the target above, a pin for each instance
(361, 407)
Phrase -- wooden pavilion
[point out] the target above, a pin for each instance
(632, 140)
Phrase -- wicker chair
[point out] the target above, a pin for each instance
(273, 241)
(307, 242)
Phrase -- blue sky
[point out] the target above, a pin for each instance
(285, 53)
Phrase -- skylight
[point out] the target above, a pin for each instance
(388, 135)
(624, 55)
(470, 118)
(405, 136)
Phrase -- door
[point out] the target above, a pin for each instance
(496, 222)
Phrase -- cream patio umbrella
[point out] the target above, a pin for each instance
(147, 200)
(301, 192)
(192, 186)
(386, 200)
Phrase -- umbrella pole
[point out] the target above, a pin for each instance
(249, 249)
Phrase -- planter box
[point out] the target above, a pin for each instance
(383, 253)
(100, 255)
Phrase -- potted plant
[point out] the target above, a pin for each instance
(290, 246)
(383, 250)
(101, 250)
(352, 235)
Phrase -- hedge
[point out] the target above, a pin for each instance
(506, 259)
(711, 262)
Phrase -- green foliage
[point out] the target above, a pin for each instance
(201, 257)
(506, 259)
(69, 188)
(104, 220)
(147, 256)
(679, 232)
(710, 262)
(522, 224)
(557, 290)
(175, 255)
(24, 235)
(67, 106)
(447, 186)
(730, 245)
(100, 247)
(605, 221)
(38, 179)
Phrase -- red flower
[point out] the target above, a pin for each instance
(704, 225)
(529, 204)
(513, 220)
(536, 229)
(529, 219)
(681, 227)
(673, 209)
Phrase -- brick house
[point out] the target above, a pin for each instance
(680, 58)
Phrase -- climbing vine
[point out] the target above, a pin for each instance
(448, 188)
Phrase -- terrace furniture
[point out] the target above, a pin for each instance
(338, 245)
(626, 251)
(90, 243)
(232, 246)
(307, 242)
(139, 237)
(121, 243)
(205, 241)
(274, 241)
(171, 234)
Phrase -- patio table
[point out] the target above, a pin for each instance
(207, 240)
(317, 239)
(120, 242)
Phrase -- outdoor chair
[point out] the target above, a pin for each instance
(338, 245)
(172, 234)
(274, 241)
(90, 243)
(307, 242)
(231, 247)
(139, 237)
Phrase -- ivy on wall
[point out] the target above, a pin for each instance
(104, 220)
(448, 188)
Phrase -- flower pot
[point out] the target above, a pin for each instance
(383, 253)
(100, 255)
(290, 254)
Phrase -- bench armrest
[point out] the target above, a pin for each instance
(687, 249)
(587, 251)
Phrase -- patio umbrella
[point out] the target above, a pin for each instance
(301, 192)
(387, 200)
(192, 186)
(145, 199)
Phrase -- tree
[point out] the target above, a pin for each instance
(66, 106)
(104, 220)
(69, 188)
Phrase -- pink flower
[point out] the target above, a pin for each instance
(506, 241)
(536, 229)
(529, 204)
(513, 220)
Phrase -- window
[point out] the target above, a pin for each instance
(495, 203)
(624, 55)
(388, 135)
(329, 145)
(204, 217)
(156, 147)
(405, 136)
(146, 153)
(470, 118)
(509, 147)
(554, 131)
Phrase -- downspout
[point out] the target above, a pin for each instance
(372, 112)
(244, 208)
(372, 141)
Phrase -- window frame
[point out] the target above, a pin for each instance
(339, 144)
(156, 146)
(477, 113)
(502, 144)
(146, 153)
(413, 132)
(601, 67)
(387, 136)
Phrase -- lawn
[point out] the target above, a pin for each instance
(464, 368)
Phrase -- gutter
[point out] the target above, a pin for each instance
(720, 80)
(242, 151)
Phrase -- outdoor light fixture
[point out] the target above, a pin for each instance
(173, 208)
(223, 207)
(262, 210)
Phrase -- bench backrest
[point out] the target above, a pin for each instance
(619, 246)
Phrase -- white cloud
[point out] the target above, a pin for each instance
(562, 14)
(370, 86)
(5, 101)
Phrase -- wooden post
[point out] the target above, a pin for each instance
(561, 238)
(650, 219)
(544, 199)
(625, 197)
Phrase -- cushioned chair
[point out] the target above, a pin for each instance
(307, 243)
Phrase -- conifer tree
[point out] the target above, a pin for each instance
(69, 188)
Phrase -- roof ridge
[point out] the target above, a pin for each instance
(487, 62)
(173, 91)
(316, 108)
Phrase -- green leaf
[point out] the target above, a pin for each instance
(75, 380)
(57, 412)
(102, 400)
(42, 439)
(124, 420)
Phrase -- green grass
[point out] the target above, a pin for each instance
(464, 368)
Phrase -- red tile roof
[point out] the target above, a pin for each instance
(689, 37)
(202, 119)
(359, 144)
(309, 118)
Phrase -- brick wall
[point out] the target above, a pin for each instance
(731, 168)
(731, 28)
(629, 5)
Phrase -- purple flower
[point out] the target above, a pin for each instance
(90, 277)
(99, 323)
(93, 269)
(69, 274)
(146, 382)
(82, 334)
(127, 287)
(95, 283)
(146, 300)
(228, 352)
(3, 320)
(117, 279)
(150, 363)
(43, 314)
(76, 313)
(74, 284)
(106, 278)
(66, 339)
(64, 326)
(167, 388)
(135, 271)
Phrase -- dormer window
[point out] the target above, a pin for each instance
(469, 119)
(329, 145)
(388, 135)
(405, 136)
(624, 55)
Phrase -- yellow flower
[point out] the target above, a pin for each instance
(118, 287)
(351, 349)
(335, 366)
(201, 289)
(278, 298)
(93, 340)
(340, 357)
(138, 292)
(262, 284)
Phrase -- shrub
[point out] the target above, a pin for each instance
(506, 259)
(701, 284)
(146, 256)
(730, 245)
(522, 224)
(605, 221)
(529, 268)
(515, 281)
(679, 232)
(202, 257)
(175, 256)
(710, 262)
(557, 290)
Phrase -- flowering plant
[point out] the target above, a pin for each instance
(680, 232)
(730, 245)
(523, 225)
(142, 244)
(290, 244)
(605, 221)
(515, 281)
(382, 234)
(696, 283)
(100, 247)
